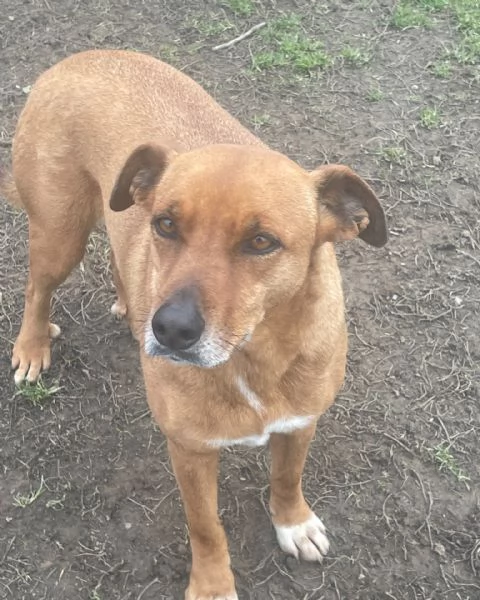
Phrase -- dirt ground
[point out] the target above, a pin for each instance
(88, 504)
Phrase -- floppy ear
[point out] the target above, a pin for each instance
(348, 207)
(141, 172)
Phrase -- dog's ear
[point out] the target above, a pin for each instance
(141, 172)
(348, 207)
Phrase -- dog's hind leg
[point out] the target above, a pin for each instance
(60, 220)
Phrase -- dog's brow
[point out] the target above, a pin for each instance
(254, 226)
(172, 210)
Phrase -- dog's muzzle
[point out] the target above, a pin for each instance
(177, 331)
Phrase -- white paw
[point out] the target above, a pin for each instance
(306, 540)
(232, 596)
(54, 330)
(119, 309)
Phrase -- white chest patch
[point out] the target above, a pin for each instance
(249, 395)
(285, 425)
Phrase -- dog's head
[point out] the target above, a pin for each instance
(233, 229)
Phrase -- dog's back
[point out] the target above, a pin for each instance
(97, 106)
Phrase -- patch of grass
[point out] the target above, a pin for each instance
(433, 5)
(442, 69)
(287, 23)
(244, 8)
(212, 26)
(94, 595)
(468, 51)
(259, 121)
(36, 393)
(23, 501)
(291, 47)
(429, 117)
(375, 95)
(263, 61)
(408, 14)
(417, 13)
(467, 14)
(355, 56)
(302, 54)
(393, 154)
(447, 462)
(168, 53)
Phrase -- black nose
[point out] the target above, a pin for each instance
(178, 324)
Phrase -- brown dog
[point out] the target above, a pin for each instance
(223, 264)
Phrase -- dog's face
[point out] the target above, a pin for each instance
(233, 229)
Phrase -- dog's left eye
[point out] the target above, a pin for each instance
(165, 227)
(261, 244)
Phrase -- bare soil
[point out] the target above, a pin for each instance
(394, 471)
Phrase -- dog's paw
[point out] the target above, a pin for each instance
(306, 540)
(211, 583)
(31, 356)
(54, 330)
(190, 595)
(232, 596)
(119, 309)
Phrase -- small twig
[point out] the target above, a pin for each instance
(466, 254)
(147, 587)
(428, 498)
(286, 574)
(146, 510)
(473, 554)
(160, 502)
(240, 37)
(142, 416)
(394, 439)
(9, 546)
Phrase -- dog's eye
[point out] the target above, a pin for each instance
(261, 244)
(165, 227)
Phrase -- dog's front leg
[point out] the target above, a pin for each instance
(299, 531)
(211, 577)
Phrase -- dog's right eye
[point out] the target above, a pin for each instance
(165, 227)
(261, 244)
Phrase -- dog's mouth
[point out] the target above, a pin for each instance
(179, 357)
(207, 353)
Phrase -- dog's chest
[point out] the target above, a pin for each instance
(285, 424)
